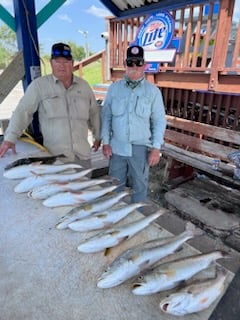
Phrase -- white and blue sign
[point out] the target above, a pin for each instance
(156, 32)
(156, 36)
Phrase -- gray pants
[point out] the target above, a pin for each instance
(136, 168)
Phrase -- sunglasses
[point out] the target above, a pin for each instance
(131, 63)
(58, 53)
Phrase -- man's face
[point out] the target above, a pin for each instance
(134, 68)
(62, 68)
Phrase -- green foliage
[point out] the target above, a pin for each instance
(91, 73)
(8, 39)
(8, 45)
(77, 51)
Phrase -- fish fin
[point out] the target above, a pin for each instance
(170, 272)
(123, 238)
(107, 252)
(181, 284)
(75, 192)
(37, 163)
(62, 183)
(204, 300)
(35, 174)
(179, 249)
(144, 265)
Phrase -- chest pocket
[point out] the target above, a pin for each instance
(79, 107)
(118, 106)
(54, 107)
(143, 107)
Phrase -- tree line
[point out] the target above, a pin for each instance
(8, 47)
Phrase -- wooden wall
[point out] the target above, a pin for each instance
(203, 83)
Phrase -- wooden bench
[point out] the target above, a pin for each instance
(191, 145)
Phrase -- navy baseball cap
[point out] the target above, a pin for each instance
(61, 50)
(135, 52)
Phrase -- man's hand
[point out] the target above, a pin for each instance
(107, 151)
(96, 145)
(5, 146)
(153, 157)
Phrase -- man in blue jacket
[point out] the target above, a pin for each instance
(133, 125)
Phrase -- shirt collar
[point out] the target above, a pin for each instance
(133, 83)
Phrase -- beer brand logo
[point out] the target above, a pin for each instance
(156, 32)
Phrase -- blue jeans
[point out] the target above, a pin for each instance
(136, 168)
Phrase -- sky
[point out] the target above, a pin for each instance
(65, 23)
(74, 15)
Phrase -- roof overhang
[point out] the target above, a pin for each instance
(128, 8)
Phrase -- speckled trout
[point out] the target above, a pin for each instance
(85, 210)
(48, 190)
(141, 257)
(169, 275)
(75, 198)
(43, 160)
(195, 297)
(104, 219)
(29, 183)
(28, 170)
(112, 237)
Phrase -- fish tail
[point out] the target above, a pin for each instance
(192, 230)
(225, 254)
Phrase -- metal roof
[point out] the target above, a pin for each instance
(129, 8)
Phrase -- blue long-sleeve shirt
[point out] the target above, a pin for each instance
(133, 117)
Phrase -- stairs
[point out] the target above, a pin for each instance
(100, 91)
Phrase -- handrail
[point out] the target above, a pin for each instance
(101, 55)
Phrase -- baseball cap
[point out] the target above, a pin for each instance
(135, 52)
(61, 50)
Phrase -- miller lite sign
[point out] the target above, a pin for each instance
(155, 35)
(156, 31)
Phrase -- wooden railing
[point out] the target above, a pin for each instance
(209, 58)
(93, 58)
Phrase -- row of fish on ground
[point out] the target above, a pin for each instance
(99, 209)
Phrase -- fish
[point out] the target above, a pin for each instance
(169, 275)
(43, 160)
(71, 198)
(27, 170)
(104, 219)
(114, 236)
(195, 297)
(86, 210)
(139, 258)
(47, 190)
(34, 181)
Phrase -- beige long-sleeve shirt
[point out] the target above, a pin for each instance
(65, 115)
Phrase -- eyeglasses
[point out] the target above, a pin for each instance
(58, 53)
(131, 63)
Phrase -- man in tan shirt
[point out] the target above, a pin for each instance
(66, 107)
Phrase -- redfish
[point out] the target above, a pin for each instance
(48, 190)
(141, 257)
(169, 275)
(34, 181)
(85, 210)
(113, 236)
(28, 170)
(75, 198)
(195, 297)
(104, 219)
